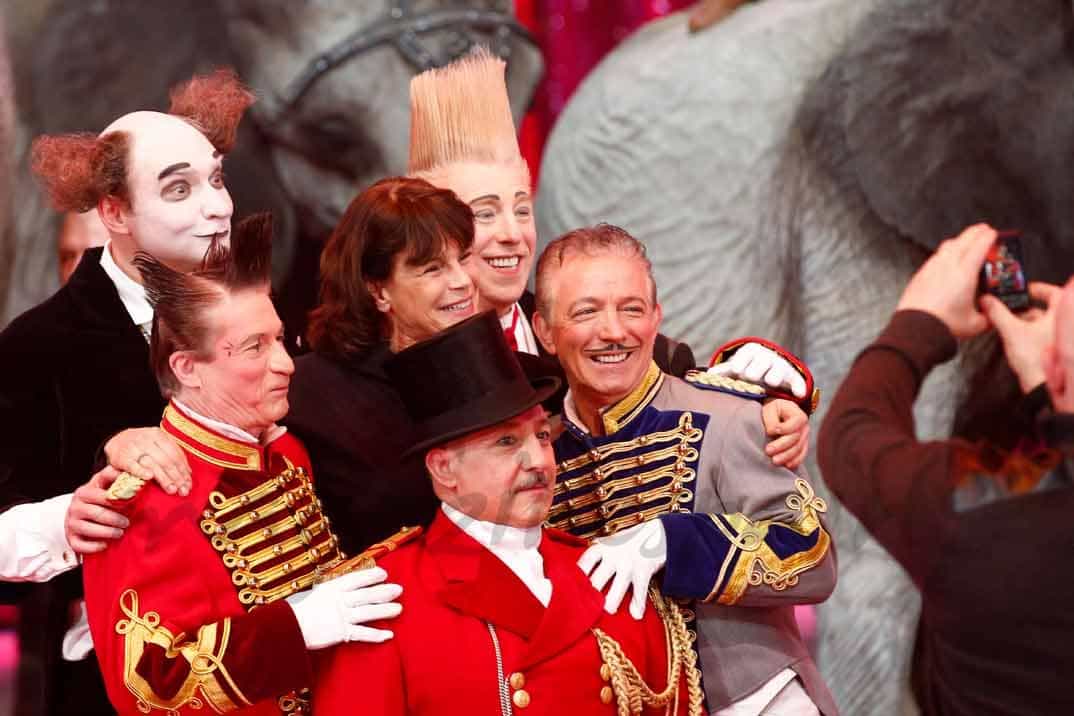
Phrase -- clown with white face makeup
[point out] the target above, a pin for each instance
(182, 204)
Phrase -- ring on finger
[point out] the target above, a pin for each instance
(143, 455)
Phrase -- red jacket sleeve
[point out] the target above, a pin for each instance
(167, 625)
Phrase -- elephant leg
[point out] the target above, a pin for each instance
(851, 271)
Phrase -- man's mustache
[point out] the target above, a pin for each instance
(532, 479)
(613, 348)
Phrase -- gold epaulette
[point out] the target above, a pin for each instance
(125, 487)
(369, 556)
(709, 381)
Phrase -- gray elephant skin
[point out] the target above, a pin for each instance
(789, 168)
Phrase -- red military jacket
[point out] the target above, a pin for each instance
(443, 658)
(187, 609)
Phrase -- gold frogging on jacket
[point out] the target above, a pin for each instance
(626, 684)
(205, 655)
(678, 444)
(758, 564)
(274, 538)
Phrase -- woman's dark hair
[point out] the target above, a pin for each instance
(395, 216)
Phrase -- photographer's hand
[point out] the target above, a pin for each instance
(1025, 336)
(946, 284)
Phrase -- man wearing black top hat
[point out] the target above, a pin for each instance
(496, 613)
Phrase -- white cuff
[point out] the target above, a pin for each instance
(37, 543)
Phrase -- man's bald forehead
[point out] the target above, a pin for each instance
(147, 122)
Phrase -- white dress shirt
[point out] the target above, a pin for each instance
(514, 546)
(35, 546)
(131, 293)
(524, 338)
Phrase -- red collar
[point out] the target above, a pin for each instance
(208, 444)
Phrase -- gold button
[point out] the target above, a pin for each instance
(517, 680)
(521, 698)
(605, 672)
(606, 695)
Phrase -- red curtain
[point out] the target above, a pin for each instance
(575, 35)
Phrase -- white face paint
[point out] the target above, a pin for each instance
(505, 232)
(175, 180)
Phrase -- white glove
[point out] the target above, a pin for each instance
(753, 361)
(632, 556)
(331, 612)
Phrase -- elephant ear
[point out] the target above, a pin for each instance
(959, 111)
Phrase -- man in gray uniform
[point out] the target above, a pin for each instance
(670, 474)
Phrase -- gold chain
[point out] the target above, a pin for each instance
(632, 693)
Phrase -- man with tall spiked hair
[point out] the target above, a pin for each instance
(463, 138)
(207, 600)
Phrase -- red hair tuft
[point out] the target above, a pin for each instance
(78, 170)
(214, 103)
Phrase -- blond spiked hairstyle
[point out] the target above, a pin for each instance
(461, 113)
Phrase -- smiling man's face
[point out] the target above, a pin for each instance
(603, 321)
(175, 180)
(505, 233)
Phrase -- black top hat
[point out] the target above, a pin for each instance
(462, 380)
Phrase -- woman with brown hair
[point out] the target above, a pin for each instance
(393, 273)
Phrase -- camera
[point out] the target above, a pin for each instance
(1003, 274)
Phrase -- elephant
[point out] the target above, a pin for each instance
(788, 170)
(332, 81)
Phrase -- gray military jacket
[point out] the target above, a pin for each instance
(745, 538)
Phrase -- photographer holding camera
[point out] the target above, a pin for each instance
(996, 592)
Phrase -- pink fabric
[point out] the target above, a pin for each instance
(575, 35)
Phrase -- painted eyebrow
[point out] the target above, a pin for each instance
(522, 194)
(486, 197)
(172, 168)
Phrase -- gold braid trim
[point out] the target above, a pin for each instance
(759, 565)
(632, 694)
(204, 656)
